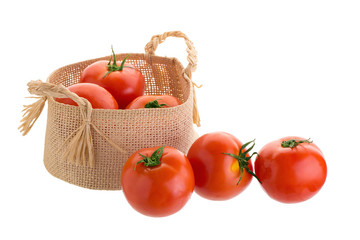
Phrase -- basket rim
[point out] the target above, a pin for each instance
(145, 56)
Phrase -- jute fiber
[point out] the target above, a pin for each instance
(88, 147)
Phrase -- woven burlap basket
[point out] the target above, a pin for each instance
(88, 147)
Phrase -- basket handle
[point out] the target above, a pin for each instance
(79, 143)
(43, 90)
(151, 47)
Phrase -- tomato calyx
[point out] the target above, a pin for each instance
(153, 160)
(155, 104)
(243, 160)
(114, 67)
(293, 143)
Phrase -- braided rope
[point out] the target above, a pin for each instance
(151, 47)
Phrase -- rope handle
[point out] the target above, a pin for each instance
(79, 149)
(45, 89)
(151, 47)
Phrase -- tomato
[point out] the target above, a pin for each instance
(122, 80)
(291, 169)
(154, 101)
(98, 96)
(219, 160)
(157, 181)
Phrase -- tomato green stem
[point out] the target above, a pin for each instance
(153, 160)
(155, 104)
(243, 160)
(114, 67)
(293, 143)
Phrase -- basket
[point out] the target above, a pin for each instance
(88, 147)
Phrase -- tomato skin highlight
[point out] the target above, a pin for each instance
(141, 101)
(98, 96)
(217, 174)
(291, 175)
(124, 85)
(161, 190)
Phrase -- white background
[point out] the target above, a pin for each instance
(269, 69)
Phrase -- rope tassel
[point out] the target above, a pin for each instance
(80, 149)
(79, 144)
(31, 114)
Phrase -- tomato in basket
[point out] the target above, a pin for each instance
(98, 96)
(154, 101)
(123, 80)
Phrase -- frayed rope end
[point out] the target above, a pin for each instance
(31, 114)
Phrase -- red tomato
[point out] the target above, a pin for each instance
(154, 101)
(291, 169)
(98, 96)
(121, 79)
(219, 160)
(157, 181)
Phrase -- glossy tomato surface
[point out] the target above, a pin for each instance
(98, 96)
(291, 175)
(163, 101)
(217, 174)
(160, 190)
(124, 85)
